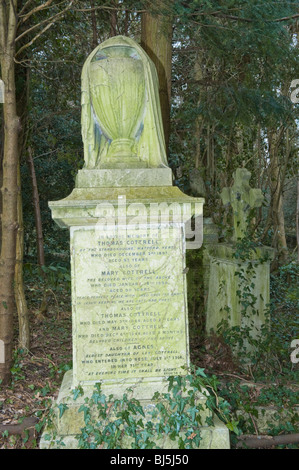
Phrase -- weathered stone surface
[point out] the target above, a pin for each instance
(107, 178)
(121, 115)
(129, 304)
(228, 278)
(212, 437)
(242, 198)
(127, 229)
(239, 286)
(69, 425)
(85, 206)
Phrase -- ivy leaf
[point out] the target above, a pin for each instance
(200, 372)
(62, 407)
(77, 392)
(233, 426)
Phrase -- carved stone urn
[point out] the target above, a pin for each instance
(117, 87)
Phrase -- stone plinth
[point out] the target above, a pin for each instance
(66, 428)
(129, 299)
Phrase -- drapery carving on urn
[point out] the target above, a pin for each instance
(121, 116)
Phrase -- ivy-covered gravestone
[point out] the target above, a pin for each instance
(239, 280)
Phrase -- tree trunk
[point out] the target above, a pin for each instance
(276, 186)
(297, 217)
(37, 214)
(22, 105)
(156, 40)
(198, 75)
(8, 22)
(21, 303)
(113, 21)
(93, 25)
(9, 223)
(258, 170)
(1, 175)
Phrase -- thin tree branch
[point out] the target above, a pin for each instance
(215, 13)
(102, 7)
(232, 17)
(47, 20)
(286, 18)
(45, 28)
(26, 5)
(250, 20)
(34, 39)
(36, 9)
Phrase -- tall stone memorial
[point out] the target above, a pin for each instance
(128, 238)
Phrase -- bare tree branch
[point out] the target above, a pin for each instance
(102, 7)
(34, 39)
(26, 5)
(249, 20)
(232, 17)
(36, 9)
(47, 20)
(286, 18)
(52, 21)
(218, 13)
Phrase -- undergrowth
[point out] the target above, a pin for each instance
(242, 390)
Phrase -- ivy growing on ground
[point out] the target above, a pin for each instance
(177, 415)
(265, 355)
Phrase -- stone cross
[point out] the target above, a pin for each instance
(242, 198)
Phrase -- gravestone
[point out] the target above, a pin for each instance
(129, 229)
(233, 274)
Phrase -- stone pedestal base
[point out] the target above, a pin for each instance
(116, 177)
(129, 302)
(64, 429)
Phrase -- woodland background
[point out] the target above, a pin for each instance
(225, 70)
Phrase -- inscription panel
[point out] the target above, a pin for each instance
(129, 304)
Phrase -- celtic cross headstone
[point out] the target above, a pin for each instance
(242, 198)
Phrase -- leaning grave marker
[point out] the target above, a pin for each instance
(127, 227)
